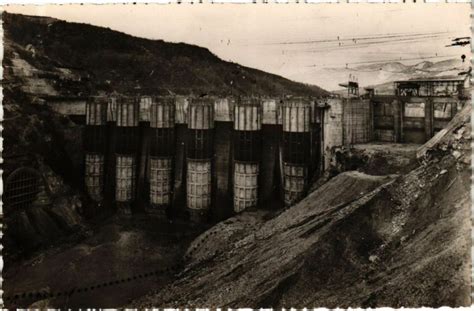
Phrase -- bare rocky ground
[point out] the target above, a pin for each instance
(377, 158)
(357, 241)
(117, 249)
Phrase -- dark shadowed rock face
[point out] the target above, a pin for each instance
(37, 138)
(358, 240)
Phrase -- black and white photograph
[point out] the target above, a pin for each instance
(223, 155)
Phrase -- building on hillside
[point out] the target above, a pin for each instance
(419, 108)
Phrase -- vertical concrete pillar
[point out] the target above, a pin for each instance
(269, 181)
(125, 182)
(222, 206)
(401, 106)
(316, 139)
(200, 151)
(372, 121)
(179, 170)
(247, 152)
(142, 191)
(162, 148)
(429, 115)
(109, 161)
(296, 148)
(126, 148)
(396, 111)
(199, 182)
(160, 183)
(94, 175)
(94, 145)
(223, 169)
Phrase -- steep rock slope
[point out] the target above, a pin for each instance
(358, 240)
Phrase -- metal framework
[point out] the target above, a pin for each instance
(22, 187)
(429, 87)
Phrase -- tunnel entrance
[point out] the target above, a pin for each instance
(23, 187)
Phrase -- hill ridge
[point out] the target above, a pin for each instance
(105, 60)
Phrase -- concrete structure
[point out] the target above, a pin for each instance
(357, 121)
(270, 192)
(418, 110)
(160, 182)
(126, 152)
(296, 142)
(125, 182)
(199, 186)
(94, 175)
(414, 114)
(217, 156)
(345, 121)
(161, 152)
(145, 105)
(247, 152)
(94, 145)
(245, 185)
(386, 118)
(74, 106)
(200, 157)
(333, 128)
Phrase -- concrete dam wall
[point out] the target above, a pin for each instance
(203, 156)
(220, 156)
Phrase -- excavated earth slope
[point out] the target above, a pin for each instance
(358, 240)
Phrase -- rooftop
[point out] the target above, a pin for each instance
(435, 79)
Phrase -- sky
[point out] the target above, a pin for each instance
(296, 41)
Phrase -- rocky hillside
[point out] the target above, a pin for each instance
(54, 57)
(358, 240)
(36, 137)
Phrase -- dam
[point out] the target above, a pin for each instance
(202, 156)
(213, 157)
